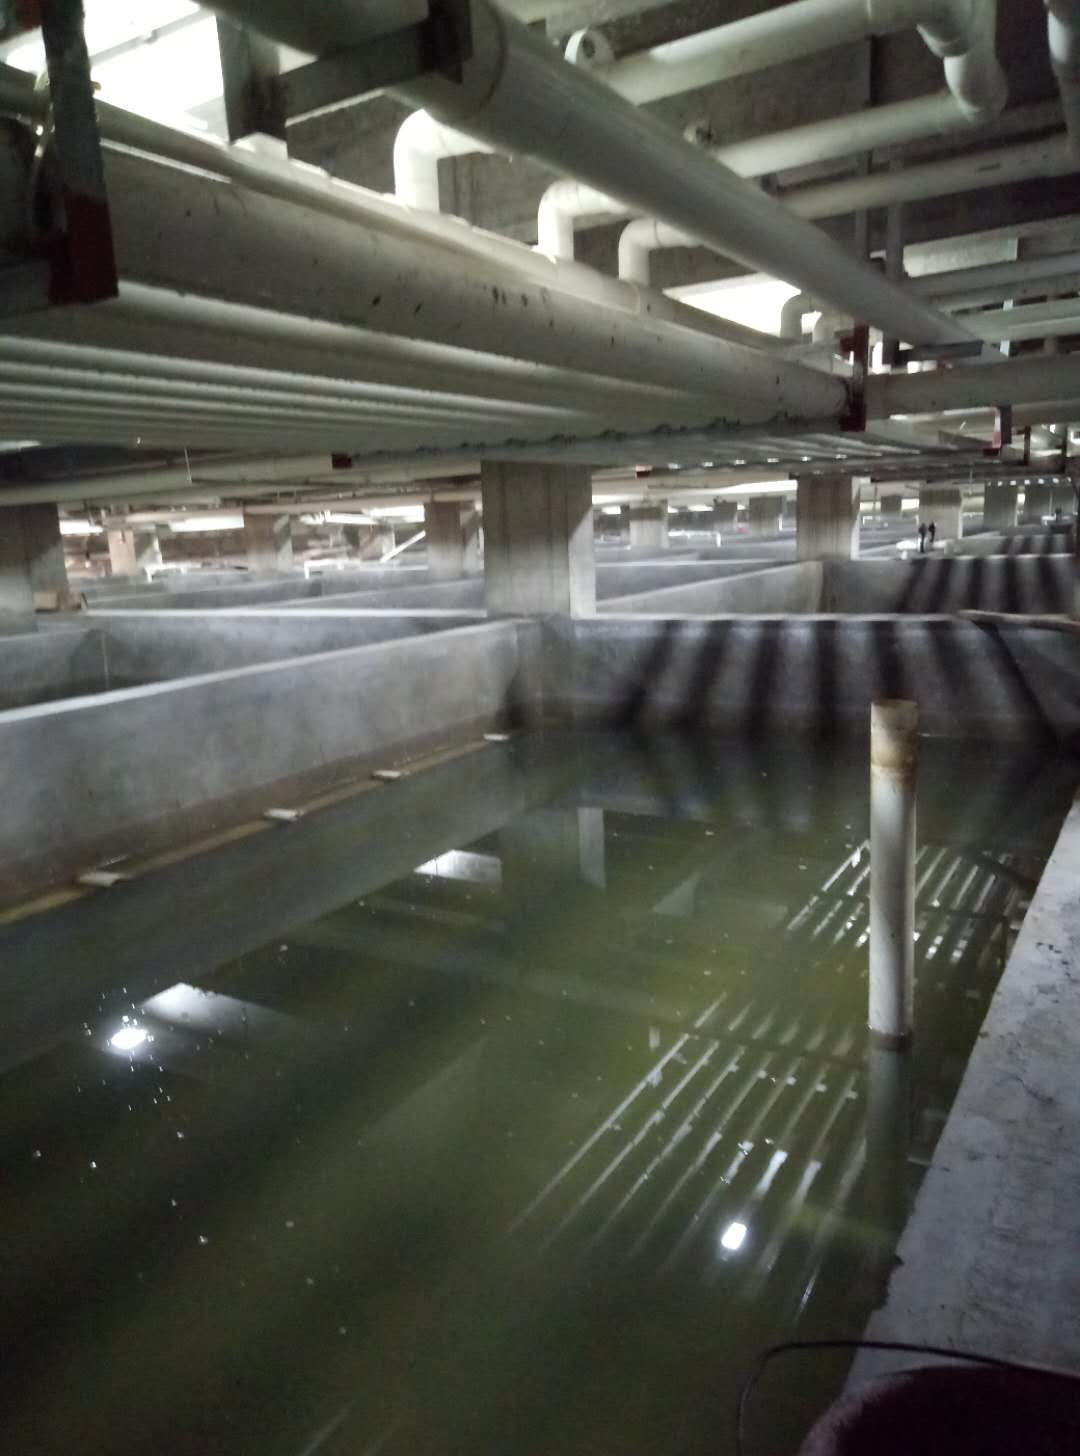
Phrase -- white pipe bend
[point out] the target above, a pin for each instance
(420, 144)
(1063, 39)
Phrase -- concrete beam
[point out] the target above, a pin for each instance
(538, 548)
(827, 518)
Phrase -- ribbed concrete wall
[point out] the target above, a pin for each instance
(815, 675)
(944, 584)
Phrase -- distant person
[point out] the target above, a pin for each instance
(922, 537)
(932, 533)
(1057, 514)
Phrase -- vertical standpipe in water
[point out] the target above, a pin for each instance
(894, 763)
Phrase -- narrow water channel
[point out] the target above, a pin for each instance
(507, 1110)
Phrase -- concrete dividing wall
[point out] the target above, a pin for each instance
(41, 667)
(1015, 543)
(259, 589)
(628, 578)
(943, 584)
(815, 675)
(794, 588)
(159, 646)
(129, 770)
(466, 594)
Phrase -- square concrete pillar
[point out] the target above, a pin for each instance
(16, 584)
(649, 525)
(724, 514)
(538, 549)
(999, 507)
(827, 517)
(764, 514)
(942, 506)
(1038, 502)
(452, 539)
(133, 550)
(45, 550)
(268, 542)
(891, 507)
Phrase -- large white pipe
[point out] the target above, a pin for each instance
(962, 34)
(180, 231)
(516, 96)
(894, 758)
(958, 282)
(1033, 380)
(566, 204)
(520, 97)
(311, 187)
(215, 335)
(1029, 321)
(1063, 38)
(1044, 159)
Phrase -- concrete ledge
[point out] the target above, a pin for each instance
(130, 770)
(40, 667)
(147, 647)
(815, 674)
(781, 588)
(930, 585)
(990, 1258)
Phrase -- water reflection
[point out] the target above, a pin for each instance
(509, 1109)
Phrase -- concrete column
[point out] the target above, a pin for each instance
(894, 760)
(892, 507)
(724, 514)
(764, 514)
(827, 518)
(16, 586)
(943, 505)
(538, 550)
(649, 524)
(268, 542)
(999, 507)
(133, 550)
(1038, 501)
(44, 549)
(445, 539)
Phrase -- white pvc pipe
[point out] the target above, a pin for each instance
(1063, 39)
(1030, 321)
(566, 204)
(184, 232)
(1033, 380)
(1045, 159)
(522, 98)
(1000, 277)
(516, 96)
(894, 758)
(420, 143)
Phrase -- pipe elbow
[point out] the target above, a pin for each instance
(791, 315)
(636, 243)
(950, 27)
(978, 85)
(416, 162)
(555, 222)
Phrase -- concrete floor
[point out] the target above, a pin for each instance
(990, 1259)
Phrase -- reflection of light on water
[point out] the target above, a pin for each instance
(128, 1038)
(733, 1236)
